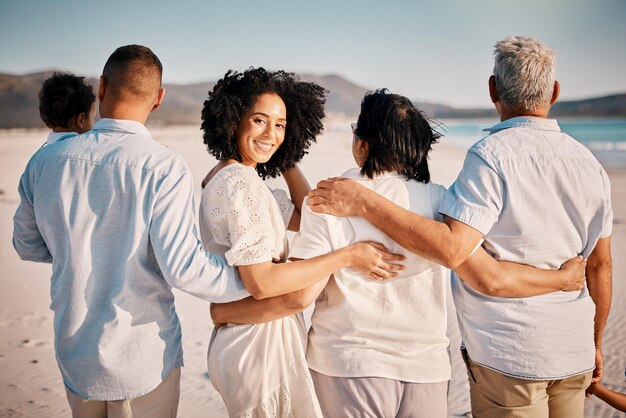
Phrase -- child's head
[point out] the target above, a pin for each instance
(66, 103)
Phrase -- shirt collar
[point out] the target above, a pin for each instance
(57, 136)
(529, 122)
(129, 126)
(355, 174)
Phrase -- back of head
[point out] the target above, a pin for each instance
(524, 73)
(398, 135)
(133, 74)
(63, 97)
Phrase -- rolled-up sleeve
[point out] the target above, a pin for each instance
(607, 224)
(27, 238)
(183, 261)
(476, 197)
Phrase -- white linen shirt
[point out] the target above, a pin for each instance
(112, 210)
(394, 329)
(540, 198)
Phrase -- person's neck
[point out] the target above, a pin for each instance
(125, 111)
(122, 115)
(508, 113)
(60, 130)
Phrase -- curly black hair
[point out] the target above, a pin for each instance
(399, 136)
(233, 95)
(63, 97)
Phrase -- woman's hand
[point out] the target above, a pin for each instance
(374, 260)
(573, 274)
(214, 310)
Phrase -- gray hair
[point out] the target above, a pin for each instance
(525, 72)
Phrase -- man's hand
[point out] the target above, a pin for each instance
(338, 196)
(599, 370)
(573, 274)
(374, 260)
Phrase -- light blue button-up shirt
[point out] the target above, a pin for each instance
(540, 198)
(112, 210)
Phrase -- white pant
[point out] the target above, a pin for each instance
(377, 397)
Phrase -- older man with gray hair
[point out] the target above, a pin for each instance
(536, 196)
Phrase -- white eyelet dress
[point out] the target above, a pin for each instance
(259, 370)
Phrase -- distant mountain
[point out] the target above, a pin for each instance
(18, 100)
(183, 103)
(607, 106)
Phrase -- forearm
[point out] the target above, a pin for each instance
(253, 311)
(436, 241)
(615, 399)
(507, 280)
(412, 231)
(268, 279)
(599, 282)
(298, 186)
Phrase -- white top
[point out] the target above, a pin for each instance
(242, 219)
(260, 369)
(365, 328)
(112, 210)
(540, 198)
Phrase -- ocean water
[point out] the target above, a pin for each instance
(606, 138)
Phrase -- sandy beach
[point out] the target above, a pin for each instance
(30, 382)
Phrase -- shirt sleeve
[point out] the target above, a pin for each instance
(250, 228)
(607, 224)
(27, 239)
(313, 239)
(182, 259)
(285, 204)
(437, 194)
(476, 197)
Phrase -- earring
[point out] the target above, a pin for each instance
(362, 153)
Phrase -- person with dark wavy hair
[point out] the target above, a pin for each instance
(259, 124)
(233, 95)
(67, 105)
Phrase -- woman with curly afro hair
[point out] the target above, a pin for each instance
(259, 124)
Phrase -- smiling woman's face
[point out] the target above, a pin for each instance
(261, 129)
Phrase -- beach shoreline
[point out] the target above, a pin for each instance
(30, 382)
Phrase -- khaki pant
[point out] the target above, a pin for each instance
(162, 402)
(494, 395)
(377, 397)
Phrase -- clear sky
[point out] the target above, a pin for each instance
(438, 51)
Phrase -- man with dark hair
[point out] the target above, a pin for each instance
(67, 105)
(537, 197)
(112, 210)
